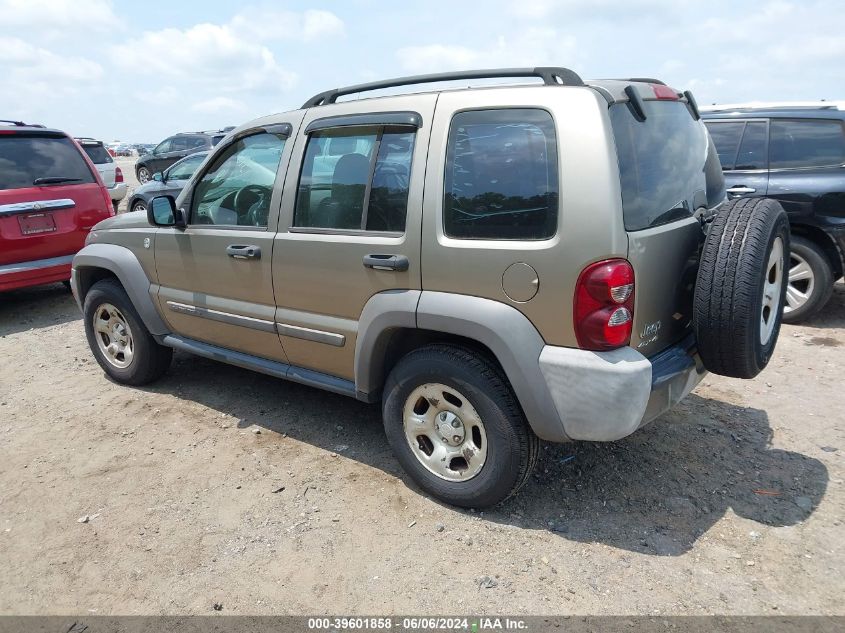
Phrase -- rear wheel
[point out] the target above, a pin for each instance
(143, 175)
(810, 280)
(741, 287)
(120, 341)
(456, 427)
(139, 207)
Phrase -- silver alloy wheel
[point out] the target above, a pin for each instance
(445, 432)
(140, 207)
(801, 283)
(772, 286)
(114, 338)
(143, 175)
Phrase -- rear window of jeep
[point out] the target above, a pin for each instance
(667, 166)
(501, 175)
(25, 158)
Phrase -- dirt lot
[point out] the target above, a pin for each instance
(218, 485)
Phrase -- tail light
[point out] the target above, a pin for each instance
(118, 175)
(604, 305)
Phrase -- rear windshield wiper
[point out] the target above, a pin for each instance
(54, 180)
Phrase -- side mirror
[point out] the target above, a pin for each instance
(163, 212)
(158, 177)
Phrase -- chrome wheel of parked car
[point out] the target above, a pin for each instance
(772, 285)
(802, 283)
(113, 335)
(140, 207)
(445, 432)
(143, 175)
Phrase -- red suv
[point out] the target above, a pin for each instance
(50, 197)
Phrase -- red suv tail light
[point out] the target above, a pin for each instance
(118, 175)
(604, 305)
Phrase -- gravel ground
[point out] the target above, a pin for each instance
(218, 485)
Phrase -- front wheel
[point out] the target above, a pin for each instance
(120, 341)
(139, 207)
(454, 424)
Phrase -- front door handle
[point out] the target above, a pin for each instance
(239, 251)
(741, 189)
(380, 261)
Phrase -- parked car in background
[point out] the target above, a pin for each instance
(51, 194)
(793, 153)
(167, 183)
(175, 148)
(110, 173)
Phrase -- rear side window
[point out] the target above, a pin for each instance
(726, 136)
(501, 175)
(667, 166)
(806, 143)
(98, 154)
(356, 178)
(25, 159)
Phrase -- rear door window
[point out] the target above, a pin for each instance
(501, 178)
(356, 178)
(667, 166)
(97, 153)
(25, 159)
(806, 143)
(726, 136)
(752, 150)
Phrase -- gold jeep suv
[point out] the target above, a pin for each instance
(498, 265)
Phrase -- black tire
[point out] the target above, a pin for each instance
(512, 447)
(144, 175)
(822, 282)
(139, 205)
(729, 288)
(149, 360)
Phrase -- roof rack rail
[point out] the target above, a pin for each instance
(20, 123)
(777, 105)
(550, 75)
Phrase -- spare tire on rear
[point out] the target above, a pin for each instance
(741, 286)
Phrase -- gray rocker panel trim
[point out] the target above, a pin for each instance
(123, 263)
(263, 365)
(513, 340)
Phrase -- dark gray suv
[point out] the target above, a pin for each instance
(175, 148)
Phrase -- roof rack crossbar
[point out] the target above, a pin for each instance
(549, 74)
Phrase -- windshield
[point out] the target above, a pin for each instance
(48, 160)
(667, 165)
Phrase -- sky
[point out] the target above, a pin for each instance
(140, 71)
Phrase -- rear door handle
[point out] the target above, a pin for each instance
(243, 252)
(380, 261)
(741, 189)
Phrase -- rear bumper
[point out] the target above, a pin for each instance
(118, 192)
(35, 273)
(605, 396)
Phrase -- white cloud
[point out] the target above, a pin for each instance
(321, 24)
(27, 63)
(56, 18)
(207, 54)
(534, 46)
(219, 104)
(267, 25)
